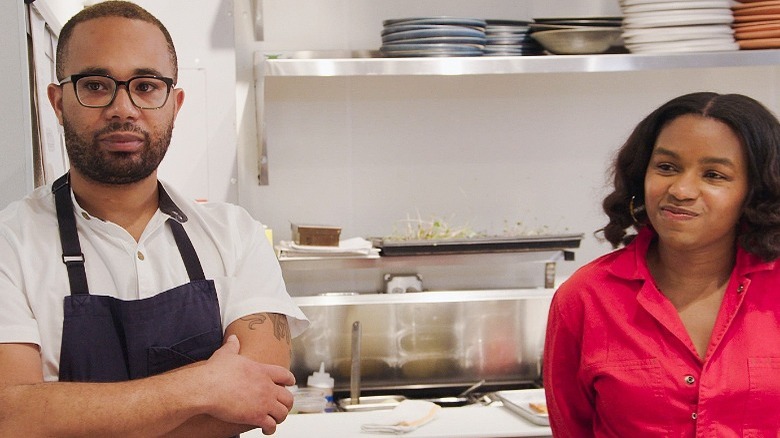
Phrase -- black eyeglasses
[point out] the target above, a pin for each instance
(99, 91)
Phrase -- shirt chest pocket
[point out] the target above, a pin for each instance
(763, 409)
(628, 388)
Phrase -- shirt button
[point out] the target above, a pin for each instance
(689, 380)
(694, 415)
(140, 256)
(741, 288)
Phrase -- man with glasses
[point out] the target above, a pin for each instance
(127, 309)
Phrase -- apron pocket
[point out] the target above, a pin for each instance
(190, 350)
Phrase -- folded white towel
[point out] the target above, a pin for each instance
(406, 417)
(355, 246)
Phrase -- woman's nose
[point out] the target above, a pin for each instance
(684, 187)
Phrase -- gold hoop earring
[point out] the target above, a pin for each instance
(634, 211)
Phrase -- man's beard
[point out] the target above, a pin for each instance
(115, 167)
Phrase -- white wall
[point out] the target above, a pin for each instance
(365, 152)
(64, 9)
(16, 170)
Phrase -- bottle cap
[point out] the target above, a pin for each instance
(321, 378)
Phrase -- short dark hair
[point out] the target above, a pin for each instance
(113, 8)
(759, 132)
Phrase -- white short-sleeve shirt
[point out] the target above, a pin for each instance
(230, 244)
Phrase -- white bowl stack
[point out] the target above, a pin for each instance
(665, 26)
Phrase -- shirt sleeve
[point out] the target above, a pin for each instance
(17, 321)
(571, 410)
(256, 285)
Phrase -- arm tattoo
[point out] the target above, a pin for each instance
(280, 326)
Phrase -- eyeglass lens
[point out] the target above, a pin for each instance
(99, 91)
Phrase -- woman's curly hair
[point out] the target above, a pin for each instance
(759, 132)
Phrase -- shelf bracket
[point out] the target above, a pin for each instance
(262, 145)
(257, 19)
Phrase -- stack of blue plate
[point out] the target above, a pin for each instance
(510, 38)
(433, 36)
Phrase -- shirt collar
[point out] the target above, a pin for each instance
(632, 264)
(167, 205)
(164, 203)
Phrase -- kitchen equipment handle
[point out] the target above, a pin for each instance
(471, 388)
(354, 375)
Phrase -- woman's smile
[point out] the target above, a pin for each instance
(677, 213)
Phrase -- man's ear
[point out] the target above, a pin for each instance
(54, 92)
(178, 101)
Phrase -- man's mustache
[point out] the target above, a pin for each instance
(121, 127)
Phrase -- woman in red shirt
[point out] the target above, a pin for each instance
(677, 333)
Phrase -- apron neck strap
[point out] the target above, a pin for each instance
(187, 251)
(69, 237)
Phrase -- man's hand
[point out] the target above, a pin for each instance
(242, 391)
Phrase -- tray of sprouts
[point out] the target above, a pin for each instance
(418, 236)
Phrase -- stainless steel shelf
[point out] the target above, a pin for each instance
(459, 296)
(298, 64)
(488, 259)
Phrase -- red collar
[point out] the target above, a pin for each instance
(632, 262)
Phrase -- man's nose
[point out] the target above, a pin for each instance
(122, 106)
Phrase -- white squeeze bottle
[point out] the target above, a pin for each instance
(322, 380)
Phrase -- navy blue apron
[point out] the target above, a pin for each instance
(105, 339)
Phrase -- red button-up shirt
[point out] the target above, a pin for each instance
(618, 361)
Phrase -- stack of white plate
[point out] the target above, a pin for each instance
(510, 38)
(757, 24)
(663, 26)
(433, 36)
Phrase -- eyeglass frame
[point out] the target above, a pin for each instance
(73, 79)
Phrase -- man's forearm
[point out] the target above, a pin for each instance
(146, 407)
(206, 426)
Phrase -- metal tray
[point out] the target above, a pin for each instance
(517, 401)
(371, 403)
(393, 247)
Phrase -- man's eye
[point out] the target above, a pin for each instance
(146, 87)
(94, 86)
